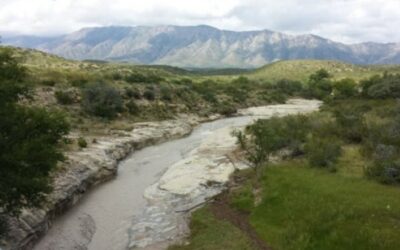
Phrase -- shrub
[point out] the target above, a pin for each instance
(206, 90)
(323, 151)
(29, 141)
(345, 88)
(82, 142)
(289, 87)
(237, 94)
(116, 76)
(48, 82)
(132, 107)
(64, 97)
(241, 80)
(149, 95)
(319, 85)
(166, 93)
(226, 109)
(387, 86)
(141, 78)
(351, 121)
(102, 100)
(387, 172)
(135, 78)
(132, 93)
(268, 136)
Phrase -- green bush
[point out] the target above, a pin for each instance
(386, 86)
(132, 108)
(29, 140)
(82, 143)
(345, 88)
(386, 164)
(135, 78)
(226, 109)
(141, 78)
(382, 147)
(323, 151)
(116, 76)
(166, 93)
(132, 93)
(319, 85)
(149, 95)
(64, 97)
(265, 137)
(289, 87)
(351, 121)
(102, 100)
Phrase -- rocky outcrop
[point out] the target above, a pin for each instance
(87, 168)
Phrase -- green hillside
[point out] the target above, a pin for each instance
(301, 69)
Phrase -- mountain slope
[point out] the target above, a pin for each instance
(203, 46)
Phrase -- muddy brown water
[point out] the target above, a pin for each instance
(102, 218)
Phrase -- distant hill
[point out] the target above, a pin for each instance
(290, 69)
(302, 69)
(203, 46)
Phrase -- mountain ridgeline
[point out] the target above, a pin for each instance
(203, 47)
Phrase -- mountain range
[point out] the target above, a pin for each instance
(202, 46)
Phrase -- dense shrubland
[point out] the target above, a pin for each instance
(367, 116)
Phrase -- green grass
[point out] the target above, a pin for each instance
(208, 233)
(306, 208)
(351, 163)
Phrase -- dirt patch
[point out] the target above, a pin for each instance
(221, 210)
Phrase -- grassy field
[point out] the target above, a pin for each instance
(209, 233)
(306, 208)
(311, 209)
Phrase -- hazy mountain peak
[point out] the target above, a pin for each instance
(203, 46)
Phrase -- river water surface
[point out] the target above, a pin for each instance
(102, 218)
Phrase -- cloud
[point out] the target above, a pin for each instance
(343, 20)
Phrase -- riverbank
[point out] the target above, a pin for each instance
(89, 167)
(195, 179)
(209, 170)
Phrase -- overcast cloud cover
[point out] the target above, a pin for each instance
(347, 21)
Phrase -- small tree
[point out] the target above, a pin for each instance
(319, 84)
(102, 100)
(29, 140)
(345, 88)
(323, 151)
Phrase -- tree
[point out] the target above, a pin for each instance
(29, 140)
(345, 88)
(289, 87)
(101, 99)
(323, 151)
(319, 84)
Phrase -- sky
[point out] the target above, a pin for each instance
(347, 21)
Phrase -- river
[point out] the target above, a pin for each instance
(103, 218)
